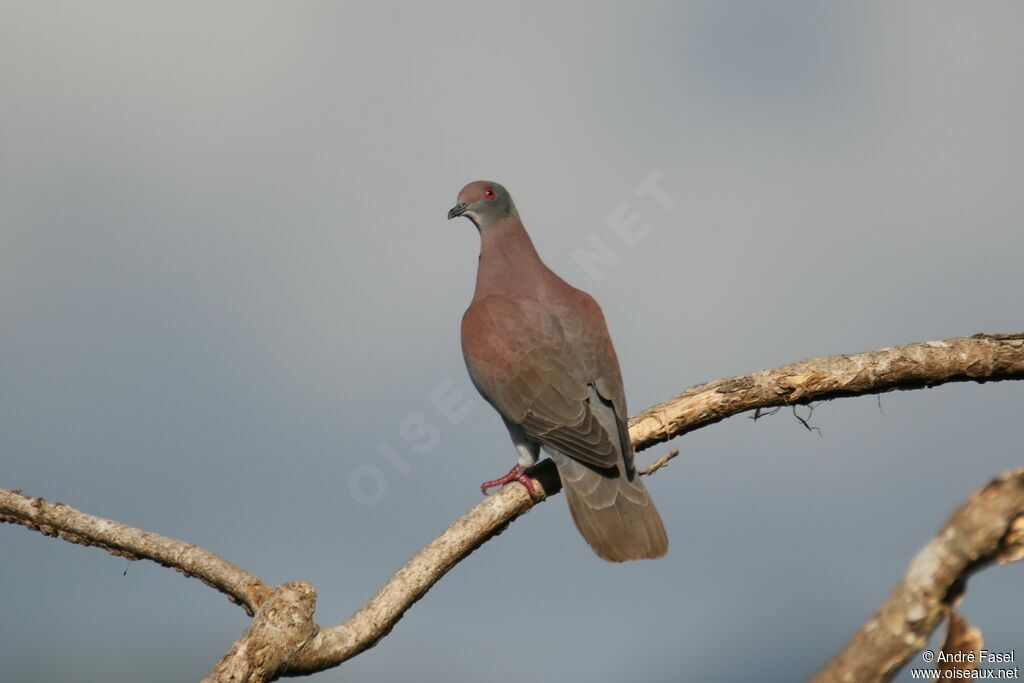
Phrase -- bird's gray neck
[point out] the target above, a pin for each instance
(509, 263)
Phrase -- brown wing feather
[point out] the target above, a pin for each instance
(521, 360)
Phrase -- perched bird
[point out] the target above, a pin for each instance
(539, 351)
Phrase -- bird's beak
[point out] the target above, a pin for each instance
(458, 210)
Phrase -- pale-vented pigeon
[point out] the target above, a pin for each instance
(539, 352)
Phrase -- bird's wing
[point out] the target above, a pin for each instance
(536, 364)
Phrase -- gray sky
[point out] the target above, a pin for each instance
(226, 281)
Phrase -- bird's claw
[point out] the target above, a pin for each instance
(517, 473)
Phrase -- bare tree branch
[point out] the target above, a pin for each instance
(282, 626)
(659, 463)
(74, 526)
(283, 640)
(981, 358)
(987, 529)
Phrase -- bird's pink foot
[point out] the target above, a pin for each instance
(517, 473)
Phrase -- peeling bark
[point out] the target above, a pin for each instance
(282, 626)
(981, 358)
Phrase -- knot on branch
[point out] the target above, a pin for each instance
(282, 626)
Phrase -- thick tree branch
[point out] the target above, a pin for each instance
(57, 519)
(307, 648)
(981, 358)
(988, 528)
(281, 627)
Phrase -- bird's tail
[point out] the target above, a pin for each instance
(612, 510)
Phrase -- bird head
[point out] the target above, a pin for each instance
(484, 202)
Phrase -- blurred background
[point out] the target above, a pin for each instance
(228, 291)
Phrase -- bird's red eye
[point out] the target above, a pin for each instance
(489, 194)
